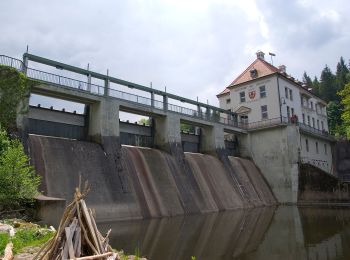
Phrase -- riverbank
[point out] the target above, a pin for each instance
(27, 239)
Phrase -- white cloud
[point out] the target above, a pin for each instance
(195, 47)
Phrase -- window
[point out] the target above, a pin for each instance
(290, 94)
(308, 120)
(322, 126)
(313, 122)
(288, 112)
(264, 112)
(325, 148)
(262, 91)
(311, 105)
(318, 124)
(307, 145)
(316, 147)
(304, 119)
(228, 101)
(292, 109)
(286, 92)
(242, 96)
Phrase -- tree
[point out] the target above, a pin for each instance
(335, 121)
(14, 87)
(345, 115)
(316, 86)
(341, 74)
(307, 80)
(144, 121)
(18, 181)
(327, 88)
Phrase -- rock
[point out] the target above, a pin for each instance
(4, 228)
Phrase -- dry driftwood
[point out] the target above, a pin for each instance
(8, 252)
(77, 236)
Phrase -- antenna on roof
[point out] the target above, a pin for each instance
(272, 55)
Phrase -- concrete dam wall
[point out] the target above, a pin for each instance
(133, 183)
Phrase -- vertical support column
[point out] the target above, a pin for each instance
(212, 138)
(152, 99)
(167, 131)
(207, 113)
(104, 120)
(165, 103)
(25, 65)
(89, 83)
(199, 112)
(106, 89)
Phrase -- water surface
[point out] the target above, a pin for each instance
(284, 233)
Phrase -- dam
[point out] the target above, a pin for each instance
(136, 171)
(146, 182)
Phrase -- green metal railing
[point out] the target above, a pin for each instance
(61, 81)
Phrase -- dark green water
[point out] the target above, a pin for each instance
(261, 233)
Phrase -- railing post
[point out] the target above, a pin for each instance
(165, 103)
(207, 112)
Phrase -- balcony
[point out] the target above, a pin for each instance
(315, 131)
(264, 123)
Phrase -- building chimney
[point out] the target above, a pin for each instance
(282, 68)
(260, 55)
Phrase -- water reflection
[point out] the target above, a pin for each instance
(260, 233)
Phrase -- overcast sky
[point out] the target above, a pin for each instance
(194, 47)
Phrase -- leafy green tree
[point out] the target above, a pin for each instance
(187, 128)
(14, 87)
(345, 115)
(335, 122)
(18, 181)
(144, 121)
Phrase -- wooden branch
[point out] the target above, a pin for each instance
(93, 256)
(8, 252)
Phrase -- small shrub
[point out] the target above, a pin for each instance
(18, 181)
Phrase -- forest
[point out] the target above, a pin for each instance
(334, 88)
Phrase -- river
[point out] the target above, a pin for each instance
(285, 232)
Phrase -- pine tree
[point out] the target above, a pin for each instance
(307, 80)
(341, 74)
(316, 86)
(328, 89)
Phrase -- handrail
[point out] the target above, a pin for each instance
(102, 90)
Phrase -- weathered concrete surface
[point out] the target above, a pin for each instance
(342, 160)
(133, 182)
(275, 152)
(316, 185)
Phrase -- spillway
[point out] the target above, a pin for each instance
(134, 183)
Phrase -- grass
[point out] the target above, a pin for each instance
(25, 238)
(4, 239)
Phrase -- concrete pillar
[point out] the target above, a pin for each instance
(165, 103)
(89, 83)
(167, 130)
(104, 120)
(199, 112)
(212, 138)
(106, 89)
(25, 65)
(207, 113)
(152, 99)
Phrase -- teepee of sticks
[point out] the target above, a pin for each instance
(77, 236)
